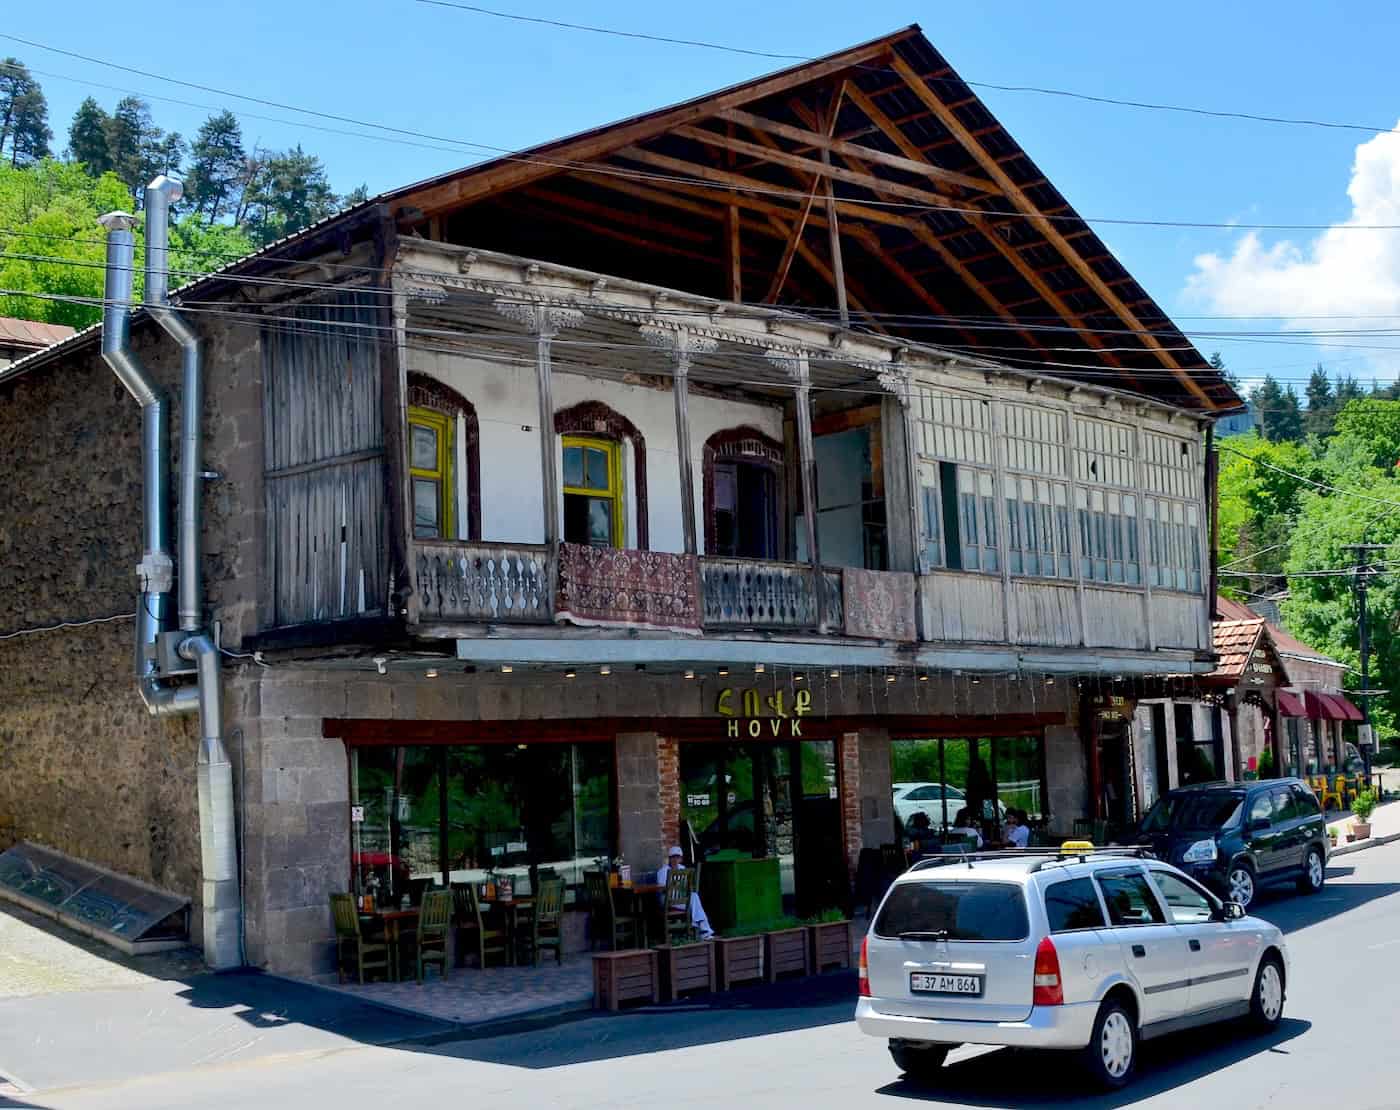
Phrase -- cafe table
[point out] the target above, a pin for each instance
(392, 922)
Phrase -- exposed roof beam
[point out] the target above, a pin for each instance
(866, 154)
(1018, 197)
(856, 294)
(871, 242)
(790, 247)
(807, 165)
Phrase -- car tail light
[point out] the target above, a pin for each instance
(864, 968)
(1048, 991)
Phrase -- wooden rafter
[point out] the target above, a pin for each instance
(992, 167)
(871, 242)
(790, 247)
(817, 141)
(859, 298)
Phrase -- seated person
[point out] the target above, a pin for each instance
(675, 860)
(920, 834)
(962, 824)
(1015, 833)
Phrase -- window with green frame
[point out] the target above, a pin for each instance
(593, 497)
(430, 447)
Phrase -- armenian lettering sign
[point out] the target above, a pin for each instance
(754, 714)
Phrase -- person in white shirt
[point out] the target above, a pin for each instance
(675, 861)
(962, 824)
(1017, 834)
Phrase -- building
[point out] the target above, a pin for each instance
(1238, 423)
(706, 473)
(23, 337)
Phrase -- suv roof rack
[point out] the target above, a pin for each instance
(1040, 857)
(1082, 855)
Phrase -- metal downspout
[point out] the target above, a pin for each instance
(218, 830)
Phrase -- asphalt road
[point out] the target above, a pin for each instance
(790, 1048)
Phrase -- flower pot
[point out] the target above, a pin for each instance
(738, 960)
(831, 944)
(1362, 830)
(686, 967)
(786, 952)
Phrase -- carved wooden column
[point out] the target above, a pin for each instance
(794, 364)
(544, 322)
(683, 345)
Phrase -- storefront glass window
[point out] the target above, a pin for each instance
(508, 809)
(967, 782)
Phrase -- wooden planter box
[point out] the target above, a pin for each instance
(738, 960)
(686, 967)
(624, 976)
(787, 951)
(831, 945)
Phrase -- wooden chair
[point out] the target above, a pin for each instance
(470, 922)
(1346, 790)
(547, 920)
(434, 921)
(680, 885)
(615, 929)
(371, 953)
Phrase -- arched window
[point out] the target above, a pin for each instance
(594, 479)
(444, 461)
(743, 475)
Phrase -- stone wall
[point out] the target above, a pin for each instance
(876, 805)
(83, 768)
(1067, 776)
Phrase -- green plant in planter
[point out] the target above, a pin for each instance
(1363, 805)
(758, 928)
(1266, 764)
(830, 916)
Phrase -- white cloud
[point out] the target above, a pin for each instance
(1337, 272)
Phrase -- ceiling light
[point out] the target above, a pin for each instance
(889, 678)
(923, 678)
(759, 668)
(723, 671)
(431, 672)
(799, 678)
(381, 664)
(689, 674)
(570, 674)
(835, 674)
(975, 680)
(507, 668)
(605, 669)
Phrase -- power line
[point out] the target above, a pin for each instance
(1037, 89)
(66, 624)
(1309, 481)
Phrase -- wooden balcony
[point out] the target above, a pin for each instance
(753, 593)
(495, 583)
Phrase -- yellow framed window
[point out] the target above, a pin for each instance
(593, 502)
(430, 472)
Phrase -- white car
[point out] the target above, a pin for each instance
(927, 797)
(1089, 952)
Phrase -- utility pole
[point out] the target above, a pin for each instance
(1363, 573)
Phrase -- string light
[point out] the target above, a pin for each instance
(689, 675)
(570, 674)
(605, 670)
(506, 668)
(431, 672)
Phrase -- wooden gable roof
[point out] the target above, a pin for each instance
(945, 230)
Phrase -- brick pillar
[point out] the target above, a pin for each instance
(668, 774)
(639, 821)
(848, 755)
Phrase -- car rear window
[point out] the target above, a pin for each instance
(1213, 809)
(954, 910)
(1073, 904)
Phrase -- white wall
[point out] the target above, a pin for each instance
(507, 411)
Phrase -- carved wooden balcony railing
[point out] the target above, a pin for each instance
(752, 593)
(495, 583)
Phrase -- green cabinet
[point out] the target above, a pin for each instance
(739, 891)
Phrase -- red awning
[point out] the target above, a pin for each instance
(1327, 707)
(1345, 705)
(1290, 705)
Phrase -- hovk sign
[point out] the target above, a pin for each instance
(756, 715)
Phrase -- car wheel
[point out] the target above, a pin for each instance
(919, 1061)
(1314, 873)
(1266, 1003)
(1111, 1054)
(1240, 884)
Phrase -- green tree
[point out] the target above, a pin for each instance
(1348, 390)
(1376, 424)
(217, 163)
(1280, 415)
(87, 138)
(1218, 363)
(1261, 488)
(24, 115)
(1322, 404)
(140, 150)
(289, 191)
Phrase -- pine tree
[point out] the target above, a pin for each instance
(216, 167)
(1348, 389)
(290, 192)
(129, 124)
(1322, 404)
(87, 138)
(24, 115)
(1280, 415)
(1218, 363)
(1289, 422)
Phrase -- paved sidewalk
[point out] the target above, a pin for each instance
(1385, 826)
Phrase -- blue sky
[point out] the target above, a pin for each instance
(503, 84)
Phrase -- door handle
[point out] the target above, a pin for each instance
(1139, 951)
(1195, 946)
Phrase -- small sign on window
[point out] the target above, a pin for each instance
(357, 815)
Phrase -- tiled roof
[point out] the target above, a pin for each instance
(1289, 645)
(1234, 643)
(31, 333)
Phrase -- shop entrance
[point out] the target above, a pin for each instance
(770, 801)
(1113, 750)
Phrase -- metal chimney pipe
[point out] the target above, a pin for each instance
(155, 570)
(218, 831)
(160, 194)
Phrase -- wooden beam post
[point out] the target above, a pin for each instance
(796, 366)
(734, 259)
(683, 345)
(544, 323)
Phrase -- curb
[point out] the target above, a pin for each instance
(455, 1026)
(1361, 846)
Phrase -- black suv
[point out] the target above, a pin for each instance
(1238, 836)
